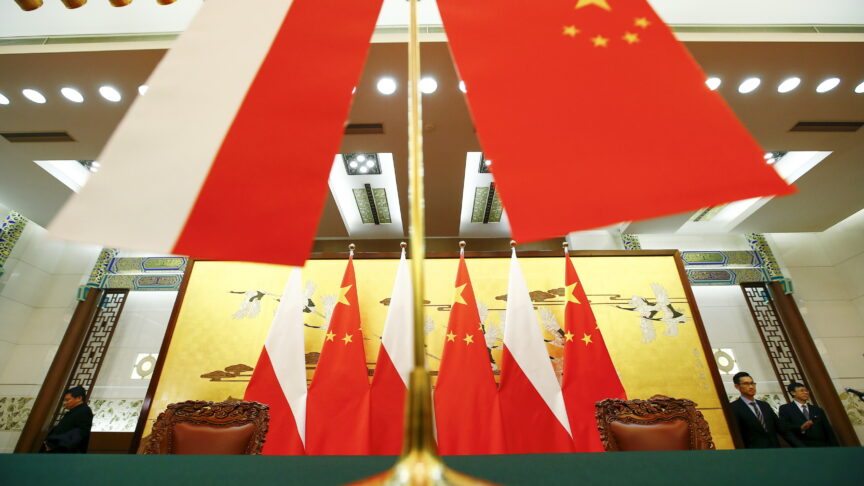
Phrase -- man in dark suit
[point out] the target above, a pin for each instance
(805, 421)
(757, 422)
(72, 434)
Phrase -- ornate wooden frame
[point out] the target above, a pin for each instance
(658, 408)
(211, 413)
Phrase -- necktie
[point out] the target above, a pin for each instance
(806, 410)
(759, 415)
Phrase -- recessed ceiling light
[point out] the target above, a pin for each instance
(72, 94)
(713, 83)
(364, 169)
(428, 85)
(110, 93)
(361, 158)
(386, 86)
(768, 155)
(353, 164)
(3, 100)
(789, 84)
(33, 95)
(143, 89)
(370, 163)
(827, 85)
(354, 90)
(858, 89)
(748, 85)
(487, 163)
(462, 87)
(95, 164)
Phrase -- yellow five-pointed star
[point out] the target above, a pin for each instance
(330, 336)
(631, 38)
(599, 41)
(469, 338)
(343, 294)
(568, 336)
(571, 293)
(458, 298)
(641, 22)
(451, 337)
(586, 338)
(347, 338)
(570, 30)
(599, 3)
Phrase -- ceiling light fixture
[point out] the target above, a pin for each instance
(3, 100)
(428, 85)
(33, 95)
(142, 90)
(860, 88)
(361, 164)
(713, 83)
(462, 87)
(789, 84)
(827, 85)
(110, 93)
(386, 86)
(363, 169)
(748, 85)
(72, 94)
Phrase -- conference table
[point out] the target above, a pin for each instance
(786, 467)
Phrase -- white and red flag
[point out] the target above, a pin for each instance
(532, 405)
(240, 125)
(279, 379)
(395, 361)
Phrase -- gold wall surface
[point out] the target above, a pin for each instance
(228, 308)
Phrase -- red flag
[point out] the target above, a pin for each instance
(337, 417)
(467, 410)
(532, 405)
(589, 375)
(246, 124)
(395, 360)
(612, 104)
(279, 379)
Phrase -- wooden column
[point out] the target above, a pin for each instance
(52, 388)
(814, 369)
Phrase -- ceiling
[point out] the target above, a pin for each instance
(828, 193)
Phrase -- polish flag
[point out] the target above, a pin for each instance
(240, 126)
(279, 379)
(532, 405)
(395, 361)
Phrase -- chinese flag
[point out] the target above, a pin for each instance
(337, 416)
(467, 411)
(589, 375)
(606, 108)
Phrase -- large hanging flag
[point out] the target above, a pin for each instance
(240, 125)
(279, 379)
(467, 410)
(337, 416)
(589, 375)
(612, 104)
(395, 361)
(532, 405)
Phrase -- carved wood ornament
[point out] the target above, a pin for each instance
(657, 409)
(209, 413)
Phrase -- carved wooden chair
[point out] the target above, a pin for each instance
(659, 423)
(198, 427)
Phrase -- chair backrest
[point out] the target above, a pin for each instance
(659, 423)
(198, 427)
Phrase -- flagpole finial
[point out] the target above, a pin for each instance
(512, 243)
(351, 247)
(403, 245)
(565, 245)
(462, 245)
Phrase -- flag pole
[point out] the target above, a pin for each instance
(419, 463)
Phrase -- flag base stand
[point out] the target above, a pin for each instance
(420, 463)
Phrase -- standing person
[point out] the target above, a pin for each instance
(72, 434)
(805, 421)
(757, 422)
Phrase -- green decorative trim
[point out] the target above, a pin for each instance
(721, 258)
(631, 241)
(725, 276)
(100, 269)
(144, 282)
(121, 266)
(10, 231)
(769, 263)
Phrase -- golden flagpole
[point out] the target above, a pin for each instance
(419, 463)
